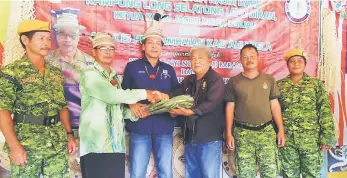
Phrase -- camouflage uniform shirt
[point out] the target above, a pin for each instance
(25, 90)
(306, 109)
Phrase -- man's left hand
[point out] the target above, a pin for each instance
(182, 111)
(161, 96)
(281, 139)
(71, 144)
(325, 148)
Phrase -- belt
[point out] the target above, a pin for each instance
(259, 127)
(36, 120)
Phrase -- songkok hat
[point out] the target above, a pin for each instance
(102, 39)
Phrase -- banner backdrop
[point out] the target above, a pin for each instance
(223, 25)
(272, 26)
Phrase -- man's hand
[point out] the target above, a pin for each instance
(18, 155)
(139, 110)
(325, 148)
(230, 142)
(161, 96)
(152, 97)
(145, 111)
(182, 111)
(173, 115)
(281, 139)
(71, 144)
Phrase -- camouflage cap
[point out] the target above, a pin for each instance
(295, 52)
(33, 25)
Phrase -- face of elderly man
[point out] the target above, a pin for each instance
(104, 54)
(67, 38)
(201, 60)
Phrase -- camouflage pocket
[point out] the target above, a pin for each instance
(41, 139)
(308, 95)
(32, 137)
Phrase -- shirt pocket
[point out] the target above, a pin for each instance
(31, 91)
(308, 95)
(165, 84)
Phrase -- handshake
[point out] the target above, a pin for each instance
(141, 110)
(156, 96)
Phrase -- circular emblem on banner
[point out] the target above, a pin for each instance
(297, 11)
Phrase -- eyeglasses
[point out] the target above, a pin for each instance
(65, 35)
(104, 49)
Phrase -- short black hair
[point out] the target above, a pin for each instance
(144, 42)
(29, 35)
(249, 46)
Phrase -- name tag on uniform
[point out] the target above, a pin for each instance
(141, 72)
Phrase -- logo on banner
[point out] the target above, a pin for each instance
(297, 11)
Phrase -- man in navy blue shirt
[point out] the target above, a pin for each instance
(153, 132)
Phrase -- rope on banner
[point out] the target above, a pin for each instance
(329, 65)
(19, 11)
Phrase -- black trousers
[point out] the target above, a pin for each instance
(103, 165)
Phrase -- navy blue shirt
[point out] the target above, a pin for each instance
(137, 77)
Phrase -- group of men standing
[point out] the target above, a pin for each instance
(254, 112)
(300, 108)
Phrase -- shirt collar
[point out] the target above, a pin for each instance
(147, 62)
(193, 79)
(27, 62)
(103, 71)
(79, 57)
(304, 78)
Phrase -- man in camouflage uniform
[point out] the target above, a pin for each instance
(32, 91)
(70, 60)
(308, 121)
(252, 97)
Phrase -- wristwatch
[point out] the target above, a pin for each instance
(70, 133)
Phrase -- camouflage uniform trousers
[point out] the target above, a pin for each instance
(256, 147)
(301, 155)
(46, 151)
